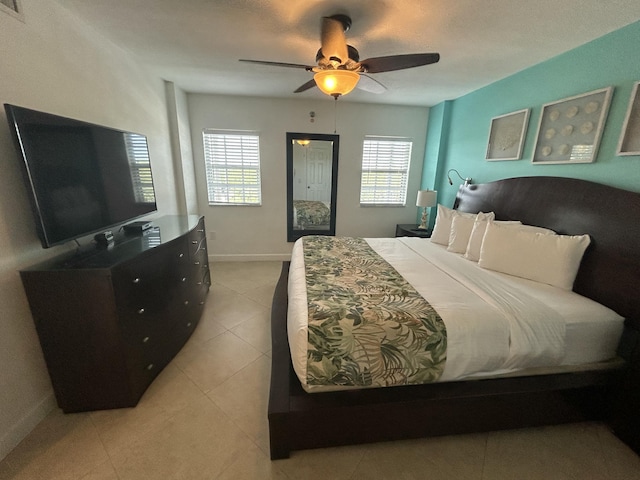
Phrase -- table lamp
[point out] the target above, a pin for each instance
(426, 198)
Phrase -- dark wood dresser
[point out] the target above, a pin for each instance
(110, 319)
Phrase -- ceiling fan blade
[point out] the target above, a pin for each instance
(278, 64)
(310, 84)
(369, 84)
(398, 62)
(332, 39)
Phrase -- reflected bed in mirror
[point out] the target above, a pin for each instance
(312, 178)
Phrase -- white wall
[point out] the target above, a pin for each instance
(180, 135)
(261, 232)
(54, 63)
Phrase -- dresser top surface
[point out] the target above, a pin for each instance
(125, 247)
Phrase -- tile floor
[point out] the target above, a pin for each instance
(204, 417)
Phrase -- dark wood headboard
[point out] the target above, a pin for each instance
(610, 269)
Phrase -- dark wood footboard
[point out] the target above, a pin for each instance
(299, 420)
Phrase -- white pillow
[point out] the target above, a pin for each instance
(533, 229)
(442, 226)
(542, 257)
(472, 251)
(461, 227)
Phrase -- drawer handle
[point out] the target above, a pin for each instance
(140, 311)
(184, 279)
(196, 263)
(200, 231)
(136, 280)
(181, 255)
(145, 339)
(202, 303)
(188, 324)
(195, 242)
(199, 283)
(186, 302)
(150, 366)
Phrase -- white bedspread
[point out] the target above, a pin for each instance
(495, 323)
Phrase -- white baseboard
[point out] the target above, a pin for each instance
(268, 257)
(26, 424)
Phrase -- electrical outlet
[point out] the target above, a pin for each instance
(212, 235)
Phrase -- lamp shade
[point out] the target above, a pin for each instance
(336, 82)
(426, 198)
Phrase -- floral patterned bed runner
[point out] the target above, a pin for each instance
(368, 327)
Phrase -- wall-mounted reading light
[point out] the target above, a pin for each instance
(467, 180)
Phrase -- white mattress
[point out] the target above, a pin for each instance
(496, 324)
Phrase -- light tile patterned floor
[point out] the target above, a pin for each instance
(205, 418)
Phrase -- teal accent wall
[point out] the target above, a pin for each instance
(435, 149)
(458, 130)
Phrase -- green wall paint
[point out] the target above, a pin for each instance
(458, 130)
(435, 149)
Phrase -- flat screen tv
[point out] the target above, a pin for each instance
(81, 178)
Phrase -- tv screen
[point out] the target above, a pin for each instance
(82, 178)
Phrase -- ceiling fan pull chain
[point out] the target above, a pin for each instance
(335, 115)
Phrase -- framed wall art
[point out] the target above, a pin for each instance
(506, 136)
(570, 129)
(629, 143)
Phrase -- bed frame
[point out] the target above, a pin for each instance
(609, 274)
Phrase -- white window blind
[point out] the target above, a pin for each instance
(232, 161)
(140, 167)
(385, 171)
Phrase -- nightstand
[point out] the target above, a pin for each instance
(411, 230)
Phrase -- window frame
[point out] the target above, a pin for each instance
(247, 164)
(389, 169)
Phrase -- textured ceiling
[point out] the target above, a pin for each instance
(197, 43)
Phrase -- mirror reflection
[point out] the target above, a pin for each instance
(312, 173)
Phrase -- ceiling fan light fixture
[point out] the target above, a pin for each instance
(336, 82)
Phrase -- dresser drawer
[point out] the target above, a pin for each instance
(200, 259)
(145, 365)
(149, 285)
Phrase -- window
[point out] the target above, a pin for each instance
(232, 162)
(140, 167)
(385, 170)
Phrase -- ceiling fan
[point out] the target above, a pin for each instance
(339, 69)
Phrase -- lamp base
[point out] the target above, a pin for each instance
(423, 220)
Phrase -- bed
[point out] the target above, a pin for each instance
(478, 399)
(311, 214)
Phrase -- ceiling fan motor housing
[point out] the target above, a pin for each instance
(354, 55)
